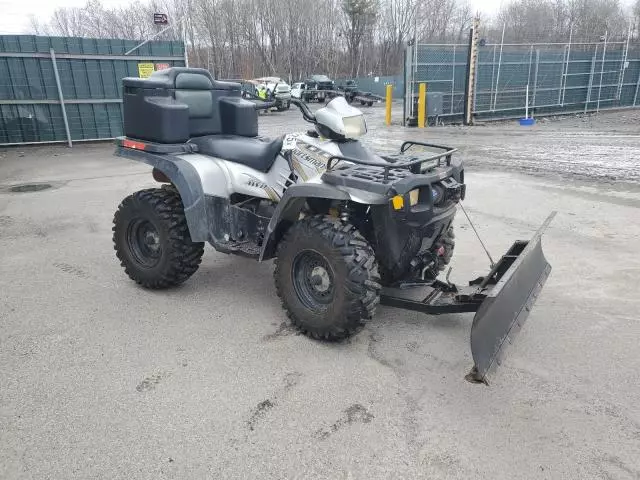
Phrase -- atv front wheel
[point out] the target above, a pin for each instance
(152, 240)
(326, 276)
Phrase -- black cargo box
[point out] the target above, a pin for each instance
(178, 103)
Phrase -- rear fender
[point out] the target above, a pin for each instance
(186, 180)
(288, 211)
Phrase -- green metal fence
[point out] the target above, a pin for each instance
(44, 79)
(559, 77)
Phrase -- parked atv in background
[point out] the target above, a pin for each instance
(347, 228)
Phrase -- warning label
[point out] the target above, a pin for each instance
(145, 69)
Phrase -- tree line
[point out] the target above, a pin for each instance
(297, 38)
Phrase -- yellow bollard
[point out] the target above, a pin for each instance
(388, 104)
(422, 110)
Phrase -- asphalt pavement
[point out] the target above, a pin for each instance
(100, 378)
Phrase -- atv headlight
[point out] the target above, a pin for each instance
(414, 195)
(354, 127)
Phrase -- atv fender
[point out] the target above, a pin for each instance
(186, 179)
(288, 211)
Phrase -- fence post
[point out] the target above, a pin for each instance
(422, 105)
(535, 79)
(530, 63)
(495, 94)
(453, 77)
(622, 66)
(635, 97)
(593, 69)
(388, 104)
(565, 68)
(61, 97)
(564, 59)
(407, 105)
(472, 60)
(604, 54)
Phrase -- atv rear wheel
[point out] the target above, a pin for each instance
(152, 240)
(326, 276)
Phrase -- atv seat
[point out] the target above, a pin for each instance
(254, 152)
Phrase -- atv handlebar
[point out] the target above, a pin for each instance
(304, 108)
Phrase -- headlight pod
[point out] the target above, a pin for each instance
(414, 196)
(419, 196)
(354, 127)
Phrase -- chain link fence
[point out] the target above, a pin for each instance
(555, 78)
(443, 67)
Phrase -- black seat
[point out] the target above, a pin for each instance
(253, 152)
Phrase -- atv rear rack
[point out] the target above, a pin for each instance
(502, 300)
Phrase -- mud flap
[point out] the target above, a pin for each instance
(507, 305)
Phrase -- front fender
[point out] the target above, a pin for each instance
(186, 179)
(288, 211)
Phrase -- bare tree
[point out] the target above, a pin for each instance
(360, 17)
(249, 38)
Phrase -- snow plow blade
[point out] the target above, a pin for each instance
(502, 300)
(507, 305)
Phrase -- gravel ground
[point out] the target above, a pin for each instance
(102, 379)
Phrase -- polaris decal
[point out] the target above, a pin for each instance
(312, 155)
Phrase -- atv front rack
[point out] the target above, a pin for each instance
(399, 161)
(502, 300)
(399, 171)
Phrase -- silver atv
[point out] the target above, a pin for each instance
(348, 228)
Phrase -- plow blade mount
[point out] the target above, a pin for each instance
(507, 305)
(502, 300)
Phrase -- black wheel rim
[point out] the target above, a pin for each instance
(143, 240)
(313, 280)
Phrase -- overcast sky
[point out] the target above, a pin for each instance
(14, 14)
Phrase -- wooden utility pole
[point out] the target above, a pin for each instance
(472, 64)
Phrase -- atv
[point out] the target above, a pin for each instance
(348, 228)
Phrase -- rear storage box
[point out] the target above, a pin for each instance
(152, 114)
(239, 117)
(176, 104)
